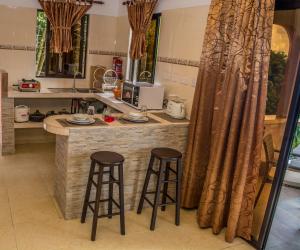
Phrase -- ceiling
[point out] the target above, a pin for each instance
(112, 7)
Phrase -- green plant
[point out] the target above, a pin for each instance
(296, 141)
(277, 66)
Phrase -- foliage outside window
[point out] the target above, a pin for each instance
(49, 64)
(143, 70)
(277, 66)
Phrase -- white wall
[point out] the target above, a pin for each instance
(164, 5)
(114, 7)
(110, 8)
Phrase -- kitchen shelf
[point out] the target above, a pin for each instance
(29, 124)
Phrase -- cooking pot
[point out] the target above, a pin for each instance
(37, 116)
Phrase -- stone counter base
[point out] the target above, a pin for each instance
(135, 144)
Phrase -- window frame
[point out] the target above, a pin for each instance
(83, 54)
(133, 65)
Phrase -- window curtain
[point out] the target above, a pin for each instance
(227, 121)
(63, 15)
(140, 14)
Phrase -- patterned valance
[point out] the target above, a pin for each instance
(63, 15)
(140, 14)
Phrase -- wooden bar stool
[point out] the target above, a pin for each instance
(165, 156)
(105, 159)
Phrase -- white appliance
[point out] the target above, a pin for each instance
(176, 108)
(21, 113)
(141, 94)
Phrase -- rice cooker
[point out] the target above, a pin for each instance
(21, 113)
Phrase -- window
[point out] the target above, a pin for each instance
(60, 66)
(279, 53)
(143, 70)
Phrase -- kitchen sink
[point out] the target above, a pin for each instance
(62, 90)
(71, 90)
(88, 90)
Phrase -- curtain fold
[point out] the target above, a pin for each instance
(63, 15)
(140, 14)
(227, 122)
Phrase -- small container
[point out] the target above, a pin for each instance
(107, 117)
(21, 113)
(91, 110)
(37, 116)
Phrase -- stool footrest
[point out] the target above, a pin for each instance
(167, 203)
(104, 172)
(170, 198)
(108, 215)
(153, 171)
(107, 182)
(172, 170)
(105, 200)
(150, 203)
(173, 180)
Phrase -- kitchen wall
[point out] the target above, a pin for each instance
(181, 37)
(17, 28)
(180, 44)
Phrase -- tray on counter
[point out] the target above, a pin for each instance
(168, 118)
(150, 121)
(97, 123)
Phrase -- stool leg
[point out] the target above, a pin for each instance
(165, 190)
(178, 192)
(121, 200)
(97, 204)
(87, 192)
(157, 195)
(147, 179)
(111, 192)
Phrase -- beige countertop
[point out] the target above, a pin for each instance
(46, 94)
(51, 124)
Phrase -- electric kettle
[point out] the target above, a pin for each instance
(176, 108)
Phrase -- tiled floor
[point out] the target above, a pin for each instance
(285, 230)
(30, 220)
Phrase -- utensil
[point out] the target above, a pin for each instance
(91, 110)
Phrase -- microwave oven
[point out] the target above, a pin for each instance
(141, 94)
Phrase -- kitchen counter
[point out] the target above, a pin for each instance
(47, 94)
(53, 124)
(74, 145)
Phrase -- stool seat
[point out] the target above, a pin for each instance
(107, 158)
(166, 153)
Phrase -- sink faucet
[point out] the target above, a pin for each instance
(74, 81)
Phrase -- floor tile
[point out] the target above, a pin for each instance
(34, 222)
(7, 238)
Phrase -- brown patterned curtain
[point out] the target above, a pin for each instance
(63, 15)
(227, 122)
(140, 14)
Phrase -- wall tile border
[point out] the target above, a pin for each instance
(17, 47)
(179, 61)
(170, 60)
(107, 53)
